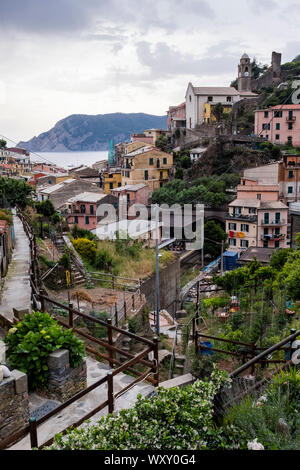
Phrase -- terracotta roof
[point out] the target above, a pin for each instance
(286, 106)
(130, 187)
(272, 205)
(245, 203)
(262, 254)
(87, 197)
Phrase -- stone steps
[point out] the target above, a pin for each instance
(78, 409)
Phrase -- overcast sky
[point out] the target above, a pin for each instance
(61, 57)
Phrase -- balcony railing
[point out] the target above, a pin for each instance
(274, 222)
(271, 238)
(291, 119)
(249, 218)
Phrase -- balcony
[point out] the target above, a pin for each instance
(291, 119)
(271, 238)
(273, 223)
(246, 217)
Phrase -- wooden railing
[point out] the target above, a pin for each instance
(115, 282)
(151, 374)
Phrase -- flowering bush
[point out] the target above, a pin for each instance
(86, 248)
(170, 419)
(31, 341)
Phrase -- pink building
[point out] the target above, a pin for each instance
(82, 209)
(176, 116)
(279, 124)
(257, 218)
(134, 193)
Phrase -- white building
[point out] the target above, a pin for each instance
(135, 229)
(198, 97)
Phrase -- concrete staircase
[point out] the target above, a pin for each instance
(179, 365)
(77, 277)
(78, 409)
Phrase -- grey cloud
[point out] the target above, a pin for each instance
(259, 6)
(67, 16)
(165, 61)
(38, 16)
(291, 50)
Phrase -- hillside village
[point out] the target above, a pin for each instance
(101, 300)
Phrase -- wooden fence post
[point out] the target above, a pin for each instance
(156, 374)
(125, 310)
(71, 316)
(34, 247)
(33, 433)
(253, 355)
(110, 342)
(116, 315)
(43, 305)
(196, 341)
(193, 328)
(133, 302)
(110, 392)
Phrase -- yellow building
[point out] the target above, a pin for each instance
(136, 145)
(111, 179)
(208, 114)
(152, 167)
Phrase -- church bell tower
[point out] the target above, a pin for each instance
(244, 73)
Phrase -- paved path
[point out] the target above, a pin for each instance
(16, 292)
(71, 414)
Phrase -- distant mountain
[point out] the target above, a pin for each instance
(92, 132)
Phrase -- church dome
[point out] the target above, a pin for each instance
(245, 56)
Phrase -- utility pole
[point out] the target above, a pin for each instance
(157, 268)
(222, 251)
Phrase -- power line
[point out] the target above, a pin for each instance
(34, 153)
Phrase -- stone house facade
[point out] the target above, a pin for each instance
(152, 167)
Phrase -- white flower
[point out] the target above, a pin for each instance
(254, 445)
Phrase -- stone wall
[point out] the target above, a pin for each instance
(14, 404)
(64, 382)
(169, 280)
(295, 227)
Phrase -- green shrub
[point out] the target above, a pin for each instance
(97, 330)
(31, 341)
(176, 418)
(103, 260)
(44, 260)
(77, 232)
(260, 417)
(6, 215)
(133, 325)
(65, 261)
(86, 248)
